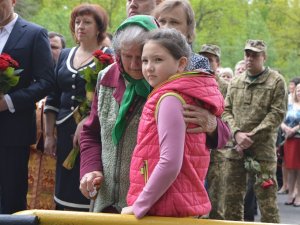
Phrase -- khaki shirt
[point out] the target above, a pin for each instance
(257, 106)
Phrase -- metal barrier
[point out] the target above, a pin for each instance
(53, 217)
(18, 220)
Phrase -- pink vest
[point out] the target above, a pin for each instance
(187, 195)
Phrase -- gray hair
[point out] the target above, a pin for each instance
(227, 70)
(172, 40)
(130, 35)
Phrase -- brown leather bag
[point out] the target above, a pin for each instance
(41, 170)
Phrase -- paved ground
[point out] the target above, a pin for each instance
(288, 214)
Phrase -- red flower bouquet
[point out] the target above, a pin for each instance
(8, 73)
(104, 59)
(90, 75)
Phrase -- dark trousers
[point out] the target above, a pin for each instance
(13, 179)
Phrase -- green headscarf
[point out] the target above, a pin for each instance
(135, 87)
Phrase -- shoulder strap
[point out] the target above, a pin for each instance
(178, 96)
(107, 50)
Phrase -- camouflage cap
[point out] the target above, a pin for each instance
(256, 45)
(209, 48)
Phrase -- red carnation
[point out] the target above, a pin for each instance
(13, 63)
(106, 59)
(5, 56)
(8, 73)
(7, 61)
(267, 183)
(3, 64)
(98, 53)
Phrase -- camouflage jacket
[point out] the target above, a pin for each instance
(257, 106)
(223, 85)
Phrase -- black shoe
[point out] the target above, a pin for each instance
(296, 204)
(291, 203)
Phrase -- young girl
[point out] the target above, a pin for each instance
(168, 165)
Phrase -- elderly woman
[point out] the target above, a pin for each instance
(88, 25)
(109, 135)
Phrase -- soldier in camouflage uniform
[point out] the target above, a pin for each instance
(213, 53)
(216, 174)
(255, 105)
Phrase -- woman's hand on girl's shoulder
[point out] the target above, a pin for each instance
(206, 121)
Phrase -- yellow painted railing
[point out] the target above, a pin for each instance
(52, 217)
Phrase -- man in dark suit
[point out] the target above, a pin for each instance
(28, 44)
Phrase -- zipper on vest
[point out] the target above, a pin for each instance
(144, 171)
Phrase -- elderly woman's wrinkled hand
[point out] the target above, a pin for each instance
(206, 121)
(127, 210)
(90, 183)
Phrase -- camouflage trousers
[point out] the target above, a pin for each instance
(215, 186)
(236, 185)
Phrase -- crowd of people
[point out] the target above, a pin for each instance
(169, 131)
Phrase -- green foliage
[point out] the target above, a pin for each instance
(252, 165)
(90, 75)
(69, 162)
(8, 79)
(28, 8)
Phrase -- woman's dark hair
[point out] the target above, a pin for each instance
(52, 34)
(295, 80)
(97, 12)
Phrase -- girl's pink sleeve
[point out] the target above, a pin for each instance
(171, 131)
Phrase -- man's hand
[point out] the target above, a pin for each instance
(3, 104)
(243, 139)
(91, 182)
(206, 121)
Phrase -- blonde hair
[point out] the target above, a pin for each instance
(226, 70)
